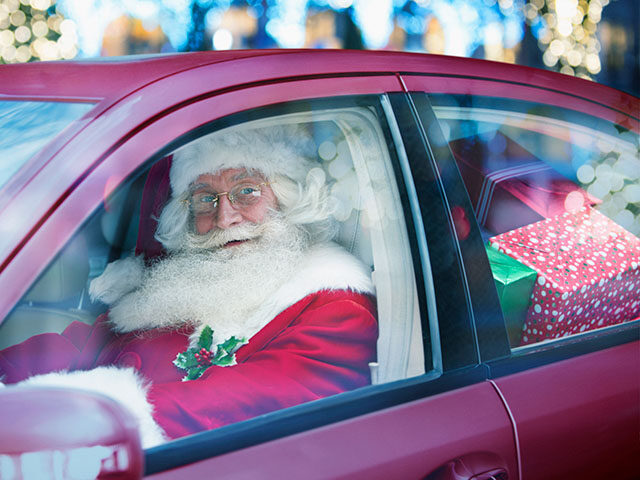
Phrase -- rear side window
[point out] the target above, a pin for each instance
(557, 198)
(27, 126)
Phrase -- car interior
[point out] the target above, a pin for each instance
(354, 156)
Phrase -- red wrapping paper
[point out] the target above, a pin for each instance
(513, 188)
(588, 273)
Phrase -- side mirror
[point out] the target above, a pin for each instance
(66, 433)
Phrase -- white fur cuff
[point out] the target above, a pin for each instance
(123, 385)
(119, 278)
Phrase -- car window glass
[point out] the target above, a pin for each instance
(351, 160)
(27, 126)
(557, 198)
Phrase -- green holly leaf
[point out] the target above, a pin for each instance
(197, 365)
(186, 360)
(229, 359)
(206, 338)
(195, 373)
(232, 344)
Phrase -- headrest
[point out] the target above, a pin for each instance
(156, 193)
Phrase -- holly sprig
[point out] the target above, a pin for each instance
(196, 360)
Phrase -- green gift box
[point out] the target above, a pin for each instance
(514, 282)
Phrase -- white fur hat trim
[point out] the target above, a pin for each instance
(279, 150)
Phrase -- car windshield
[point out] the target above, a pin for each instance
(27, 126)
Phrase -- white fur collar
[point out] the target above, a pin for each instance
(326, 266)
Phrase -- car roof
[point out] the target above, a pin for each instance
(111, 78)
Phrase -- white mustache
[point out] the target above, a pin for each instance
(217, 238)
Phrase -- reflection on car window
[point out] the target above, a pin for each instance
(557, 198)
(27, 126)
(257, 267)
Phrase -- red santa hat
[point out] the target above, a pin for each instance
(279, 150)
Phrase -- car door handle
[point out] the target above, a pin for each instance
(494, 474)
(472, 466)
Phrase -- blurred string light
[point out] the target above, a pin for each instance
(93, 16)
(566, 32)
(374, 17)
(34, 30)
(461, 27)
(613, 177)
(454, 27)
(286, 22)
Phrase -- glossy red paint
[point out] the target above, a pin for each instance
(585, 403)
(620, 109)
(141, 105)
(447, 426)
(131, 93)
(112, 79)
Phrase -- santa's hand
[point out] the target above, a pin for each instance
(124, 385)
(118, 279)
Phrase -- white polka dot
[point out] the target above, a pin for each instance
(537, 308)
(541, 280)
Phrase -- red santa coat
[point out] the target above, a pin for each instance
(319, 346)
(318, 337)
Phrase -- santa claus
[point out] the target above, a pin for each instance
(245, 305)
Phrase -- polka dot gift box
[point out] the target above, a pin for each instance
(588, 273)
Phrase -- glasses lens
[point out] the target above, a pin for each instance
(245, 194)
(204, 202)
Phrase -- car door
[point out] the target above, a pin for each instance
(436, 415)
(570, 378)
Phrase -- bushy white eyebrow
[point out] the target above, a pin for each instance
(236, 178)
(246, 174)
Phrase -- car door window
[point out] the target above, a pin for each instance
(352, 159)
(556, 195)
(29, 125)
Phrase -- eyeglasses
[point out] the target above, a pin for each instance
(203, 201)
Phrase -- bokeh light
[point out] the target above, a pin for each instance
(566, 32)
(35, 30)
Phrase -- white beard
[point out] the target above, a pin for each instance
(204, 284)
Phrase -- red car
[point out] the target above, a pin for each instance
(498, 207)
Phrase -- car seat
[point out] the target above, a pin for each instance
(54, 301)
